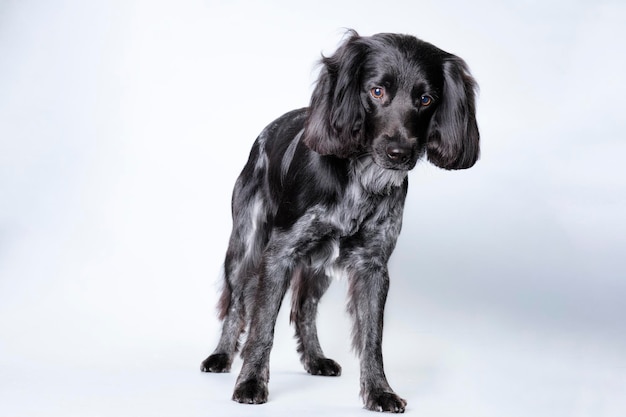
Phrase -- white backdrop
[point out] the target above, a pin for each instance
(123, 125)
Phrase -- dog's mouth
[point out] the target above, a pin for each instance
(398, 154)
(395, 161)
(395, 155)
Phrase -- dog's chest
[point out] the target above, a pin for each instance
(363, 213)
(341, 224)
(370, 188)
(347, 216)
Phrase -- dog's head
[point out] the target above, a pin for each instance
(394, 97)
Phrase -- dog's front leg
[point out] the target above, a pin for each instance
(251, 386)
(368, 293)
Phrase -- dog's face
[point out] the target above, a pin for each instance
(395, 98)
(400, 90)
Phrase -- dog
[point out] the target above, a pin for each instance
(322, 194)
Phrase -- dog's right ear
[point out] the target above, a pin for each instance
(335, 116)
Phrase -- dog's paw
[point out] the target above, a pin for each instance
(385, 401)
(252, 391)
(218, 363)
(323, 366)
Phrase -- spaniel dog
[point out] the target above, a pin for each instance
(322, 194)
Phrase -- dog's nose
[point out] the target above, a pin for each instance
(397, 152)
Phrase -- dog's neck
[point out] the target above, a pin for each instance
(373, 178)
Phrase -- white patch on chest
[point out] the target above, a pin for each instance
(375, 179)
(333, 269)
(368, 184)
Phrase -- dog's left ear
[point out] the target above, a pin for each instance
(336, 113)
(453, 138)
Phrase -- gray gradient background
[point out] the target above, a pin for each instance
(124, 124)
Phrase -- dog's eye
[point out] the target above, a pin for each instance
(426, 101)
(377, 92)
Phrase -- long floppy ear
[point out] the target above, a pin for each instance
(336, 114)
(453, 138)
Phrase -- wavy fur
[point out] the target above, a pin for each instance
(323, 193)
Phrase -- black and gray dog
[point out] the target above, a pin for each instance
(323, 193)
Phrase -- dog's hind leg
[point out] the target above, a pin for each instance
(308, 287)
(232, 312)
(248, 238)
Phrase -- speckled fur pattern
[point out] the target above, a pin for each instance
(322, 195)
